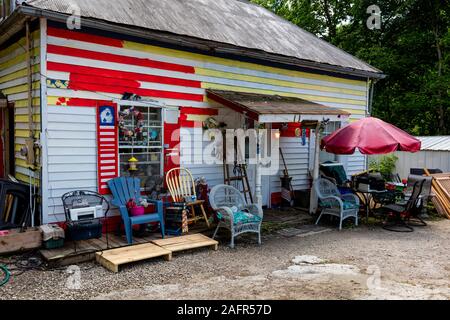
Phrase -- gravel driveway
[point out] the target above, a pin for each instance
(360, 263)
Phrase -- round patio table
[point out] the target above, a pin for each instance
(366, 197)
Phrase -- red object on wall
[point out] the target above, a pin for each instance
(107, 145)
(291, 129)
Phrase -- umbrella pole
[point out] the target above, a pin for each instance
(313, 197)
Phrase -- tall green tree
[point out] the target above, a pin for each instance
(412, 48)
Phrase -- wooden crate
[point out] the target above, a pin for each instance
(112, 259)
(186, 242)
(18, 241)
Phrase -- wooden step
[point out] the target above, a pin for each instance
(190, 241)
(112, 259)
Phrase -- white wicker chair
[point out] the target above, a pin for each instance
(233, 212)
(333, 203)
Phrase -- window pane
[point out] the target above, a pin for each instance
(140, 136)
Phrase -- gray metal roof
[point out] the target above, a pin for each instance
(435, 143)
(235, 22)
(273, 104)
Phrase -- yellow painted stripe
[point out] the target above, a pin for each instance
(355, 111)
(196, 117)
(18, 59)
(274, 82)
(21, 88)
(24, 103)
(17, 147)
(19, 44)
(234, 63)
(19, 74)
(25, 134)
(207, 85)
(26, 179)
(24, 118)
(52, 100)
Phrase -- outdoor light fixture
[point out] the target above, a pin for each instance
(277, 134)
(132, 162)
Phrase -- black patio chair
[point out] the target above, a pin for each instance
(411, 208)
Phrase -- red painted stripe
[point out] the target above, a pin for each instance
(62, 67)
(190, 124)
(107, 128)
(141, 92)
(78, 102)
(104, 81)
(66, 51)
(83, 36)
(199, 111)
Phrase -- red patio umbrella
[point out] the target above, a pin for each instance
(371, 136)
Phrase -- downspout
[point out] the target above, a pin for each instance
(371, 88)
(29, 79)
(371, 83)
(29, 152)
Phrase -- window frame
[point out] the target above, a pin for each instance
(122, 104)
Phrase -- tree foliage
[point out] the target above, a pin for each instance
(412, 48)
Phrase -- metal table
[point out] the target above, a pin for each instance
(367, 197)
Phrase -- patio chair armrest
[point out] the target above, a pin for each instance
(254, 209)
(334, 200)
(351, 198)
(226, 214)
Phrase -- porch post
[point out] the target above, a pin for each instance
(258, 194)
(313, 197)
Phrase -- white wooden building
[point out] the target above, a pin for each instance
(57, 82)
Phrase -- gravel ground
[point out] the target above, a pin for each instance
(359, 263)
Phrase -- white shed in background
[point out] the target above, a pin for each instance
(434, 154)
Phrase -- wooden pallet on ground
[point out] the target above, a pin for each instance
(85, 250)
(112, 259)
(187, 242)
(441, 190)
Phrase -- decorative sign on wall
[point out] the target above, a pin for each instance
(107, 146)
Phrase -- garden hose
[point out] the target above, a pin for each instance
(4, 270)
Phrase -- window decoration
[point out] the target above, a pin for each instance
(107, 146)
(140, 141)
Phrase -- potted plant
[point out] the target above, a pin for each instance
(134, 209)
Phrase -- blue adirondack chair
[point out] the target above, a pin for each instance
(126, 188)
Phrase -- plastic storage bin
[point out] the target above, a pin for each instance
(84, 230)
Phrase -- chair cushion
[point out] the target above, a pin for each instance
(347, 204)
(242, 217)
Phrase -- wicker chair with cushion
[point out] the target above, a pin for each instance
(333, 203)
(234, 213)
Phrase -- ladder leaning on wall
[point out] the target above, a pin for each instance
(239, 174)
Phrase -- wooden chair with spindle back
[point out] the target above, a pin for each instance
(181, 186)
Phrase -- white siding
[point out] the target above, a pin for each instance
(421, 159)
(296, 157)
(71, 154)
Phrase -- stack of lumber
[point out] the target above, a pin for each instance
(440, 187)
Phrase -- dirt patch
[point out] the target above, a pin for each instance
(359, 263)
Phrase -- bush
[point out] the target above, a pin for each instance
(385, 165)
